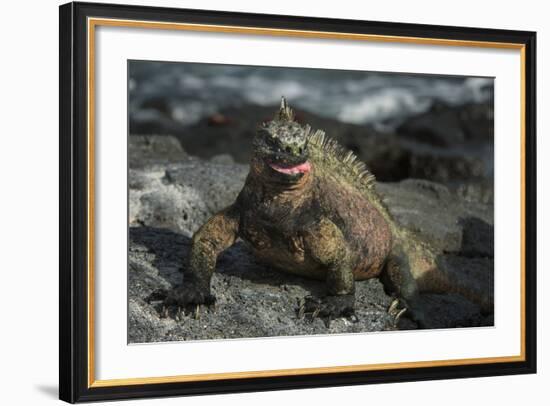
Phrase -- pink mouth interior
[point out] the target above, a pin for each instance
(292, 170)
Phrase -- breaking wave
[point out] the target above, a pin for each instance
(186, 92)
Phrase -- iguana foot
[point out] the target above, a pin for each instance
(157, 295)
(328, 308)
(184, 299)
(184, 295)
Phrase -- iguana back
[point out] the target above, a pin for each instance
(410, 257)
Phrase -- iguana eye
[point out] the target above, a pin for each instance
(270, 140)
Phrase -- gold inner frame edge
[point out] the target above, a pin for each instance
(93, 22)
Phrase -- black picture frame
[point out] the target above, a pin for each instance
(74, 199)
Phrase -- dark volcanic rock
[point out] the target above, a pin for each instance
(252, 300)
(393, 158)
(181, 197)
(448, 223)
(169, 201)
(461, 231)
(446, 126)
(448, 311)
(145, 150)
(451, 145)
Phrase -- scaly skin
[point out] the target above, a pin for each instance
(309, 208)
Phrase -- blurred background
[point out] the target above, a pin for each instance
(431, 127)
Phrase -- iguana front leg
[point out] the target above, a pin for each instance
(325, 243)
(217, 234)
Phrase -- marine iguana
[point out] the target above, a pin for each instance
(309, 207)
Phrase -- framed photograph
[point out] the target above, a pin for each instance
(257, 202)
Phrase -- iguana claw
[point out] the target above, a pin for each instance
(399, 314)
(197, 312)
(181, 300)
(393, 306)
(395, 311)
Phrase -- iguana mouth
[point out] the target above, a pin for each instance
(292, 170)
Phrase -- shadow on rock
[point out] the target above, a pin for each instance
(164, 249)
(252, 300)
(168, 252)
(460, 291)
(478, 238)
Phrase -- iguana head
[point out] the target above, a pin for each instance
(281, 145)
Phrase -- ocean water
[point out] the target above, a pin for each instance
(183, 93)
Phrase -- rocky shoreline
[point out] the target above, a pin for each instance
(172, 192)
(452, 145)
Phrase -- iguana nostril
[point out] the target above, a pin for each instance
(288, 149)
(300, 150)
